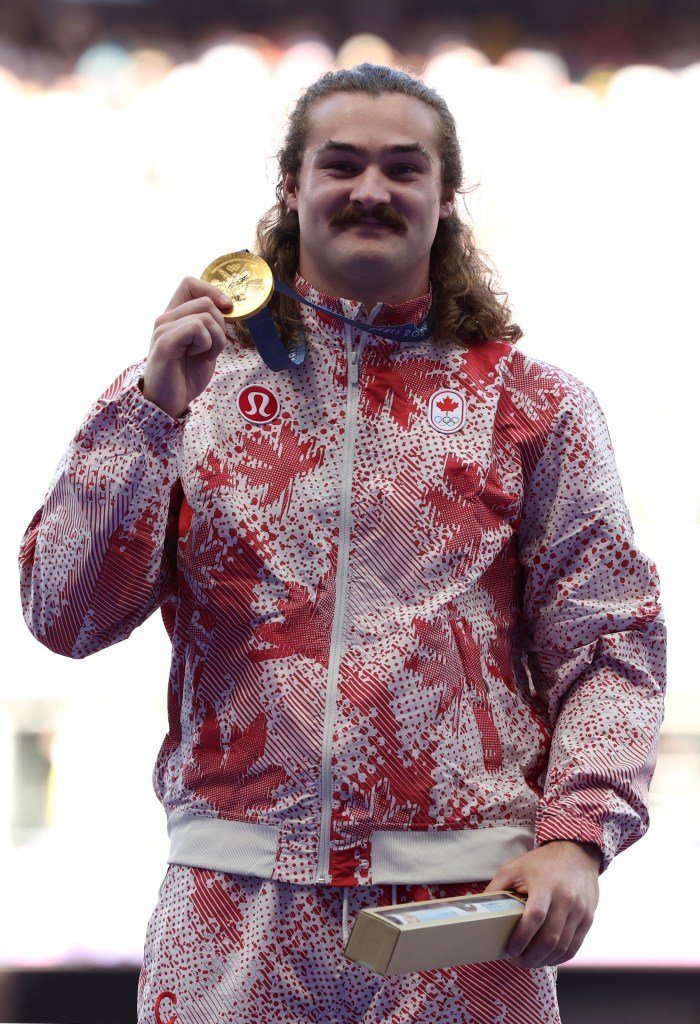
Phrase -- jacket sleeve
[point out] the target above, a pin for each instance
(95, 561)
(594, 635)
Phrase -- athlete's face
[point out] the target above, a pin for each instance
(369, 196)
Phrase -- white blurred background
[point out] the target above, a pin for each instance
(134, 165)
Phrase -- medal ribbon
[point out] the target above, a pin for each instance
(397, 332)
(277, 357)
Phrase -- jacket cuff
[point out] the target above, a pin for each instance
(551, 827)
(159, 429)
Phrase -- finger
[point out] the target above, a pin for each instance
(494, 885)
(505, 879)
(574, 944)
(194, 288)
(203, 304)
(207, 334)
(558, 939)
(571, 939)
(194, 334)
(219, 341)
(530, 924)
(176, 331)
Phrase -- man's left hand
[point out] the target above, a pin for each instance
(561, 883)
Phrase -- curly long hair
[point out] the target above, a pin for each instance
(467, 305)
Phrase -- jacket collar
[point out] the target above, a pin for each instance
(412, 311)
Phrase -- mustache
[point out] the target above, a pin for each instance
(384, 215)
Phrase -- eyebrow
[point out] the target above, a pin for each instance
(398, 148)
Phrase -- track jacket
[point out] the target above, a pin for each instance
(412, 635)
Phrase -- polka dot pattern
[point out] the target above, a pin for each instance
(376, 626)
(238, 950)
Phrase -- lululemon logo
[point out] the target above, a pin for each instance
(447, 410)
(258, 404)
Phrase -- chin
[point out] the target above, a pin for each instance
(371, 252)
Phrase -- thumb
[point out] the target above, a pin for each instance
(507, 878)
(498, 882)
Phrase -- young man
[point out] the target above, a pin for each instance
(415, 649)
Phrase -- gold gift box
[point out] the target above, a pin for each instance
(431, 934)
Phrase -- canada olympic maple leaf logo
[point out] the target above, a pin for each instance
(447, 410)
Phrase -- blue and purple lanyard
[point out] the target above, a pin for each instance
(273, 353)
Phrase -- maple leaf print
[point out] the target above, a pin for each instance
(233, 777)
(300, 610)
(470, 657)
(392, 795)
(453, 663)
(472, 507)
(214, 473)
(447, 404)
(275, 462)
(399, 389)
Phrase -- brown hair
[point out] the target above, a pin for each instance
(466, 305)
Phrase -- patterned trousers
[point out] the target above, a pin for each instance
(228, 949)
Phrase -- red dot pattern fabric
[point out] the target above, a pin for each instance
(244, 950)
(382, 634)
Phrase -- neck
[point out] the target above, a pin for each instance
(367, 288)
(366, 297)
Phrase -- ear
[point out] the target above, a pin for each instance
(447, 205)
(289, 187)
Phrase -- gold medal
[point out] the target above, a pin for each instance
(246, 279)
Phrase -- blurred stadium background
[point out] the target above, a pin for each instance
(138, 142)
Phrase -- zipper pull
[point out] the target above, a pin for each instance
(354, 366)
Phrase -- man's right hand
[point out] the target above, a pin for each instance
(186, 342)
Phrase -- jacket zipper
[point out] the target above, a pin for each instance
(336, 646)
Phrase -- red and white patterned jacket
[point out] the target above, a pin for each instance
(399, 654)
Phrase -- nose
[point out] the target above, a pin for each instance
(370, 189)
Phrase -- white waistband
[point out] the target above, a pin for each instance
(404, 858)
